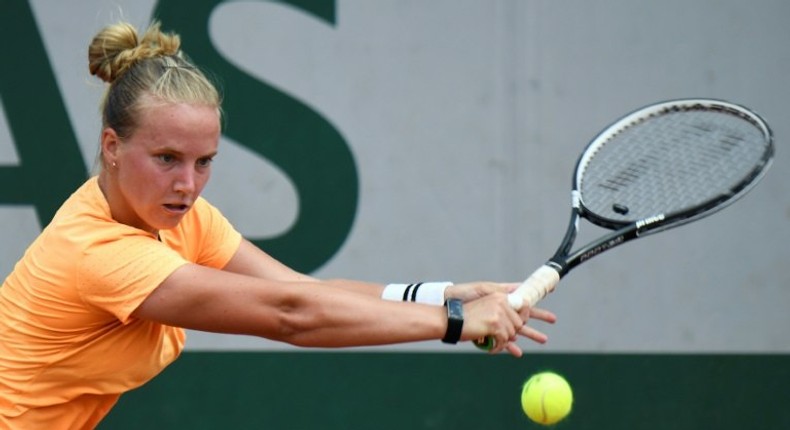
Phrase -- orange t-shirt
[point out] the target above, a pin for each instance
(68, 345)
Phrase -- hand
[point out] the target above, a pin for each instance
(492, 315)
(529, 332)
(475, 290)
(500, 313)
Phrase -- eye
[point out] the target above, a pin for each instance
(205, 162)
(166, 158)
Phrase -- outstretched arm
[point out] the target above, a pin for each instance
(257, 295)
(312, 313)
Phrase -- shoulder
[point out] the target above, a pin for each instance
(84, 222)
(203, 216)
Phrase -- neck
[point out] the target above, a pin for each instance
(119, 211)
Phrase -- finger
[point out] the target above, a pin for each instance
(543, 315)
(516, 320)
(510, 287)
(533, 334)
(487, 288)
(512, 331)
(500, 344)
(514, 350)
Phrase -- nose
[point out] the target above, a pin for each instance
(185, 181)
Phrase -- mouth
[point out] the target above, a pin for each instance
(176, 208)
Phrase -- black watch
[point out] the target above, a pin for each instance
(455, 320)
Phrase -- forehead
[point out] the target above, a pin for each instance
(179, 125)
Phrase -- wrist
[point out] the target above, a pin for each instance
(455, 321)
(429, 293)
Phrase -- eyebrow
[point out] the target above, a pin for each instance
(182, 153)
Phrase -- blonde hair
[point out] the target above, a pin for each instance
(139, 70)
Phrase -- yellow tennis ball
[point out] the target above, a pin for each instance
(546, 398)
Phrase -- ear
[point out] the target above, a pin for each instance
(110, 144)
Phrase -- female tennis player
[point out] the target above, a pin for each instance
(99, 302)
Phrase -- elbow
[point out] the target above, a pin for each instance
(299, 325)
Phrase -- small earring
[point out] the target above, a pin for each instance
(114, 165)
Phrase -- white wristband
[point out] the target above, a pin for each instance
(429, 293)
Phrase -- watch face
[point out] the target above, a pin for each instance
(455, 309)
(455, 321)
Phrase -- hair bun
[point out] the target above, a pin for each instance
(117, 47)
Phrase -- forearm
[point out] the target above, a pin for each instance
(311, 313)
(251, 261)
(329, 316)
(432, 293)
(360, 287)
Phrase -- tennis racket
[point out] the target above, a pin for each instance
(657, 168)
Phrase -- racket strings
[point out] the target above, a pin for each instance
(670, 162)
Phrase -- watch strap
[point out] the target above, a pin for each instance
(455, 321)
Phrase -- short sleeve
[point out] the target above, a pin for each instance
(118, 275)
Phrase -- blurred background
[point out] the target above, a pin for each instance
(399, 141)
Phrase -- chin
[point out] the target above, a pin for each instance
(167, 224)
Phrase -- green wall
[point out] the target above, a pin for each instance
(456, 391)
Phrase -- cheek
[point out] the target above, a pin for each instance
(201, 181)
(134, 169)
(142, 177)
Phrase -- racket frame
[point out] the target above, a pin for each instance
(545, 279)
(564, 260)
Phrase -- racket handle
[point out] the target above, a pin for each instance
(540, 283)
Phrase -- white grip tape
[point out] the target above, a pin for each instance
(535, 288)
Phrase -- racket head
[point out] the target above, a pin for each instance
(670, 163)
